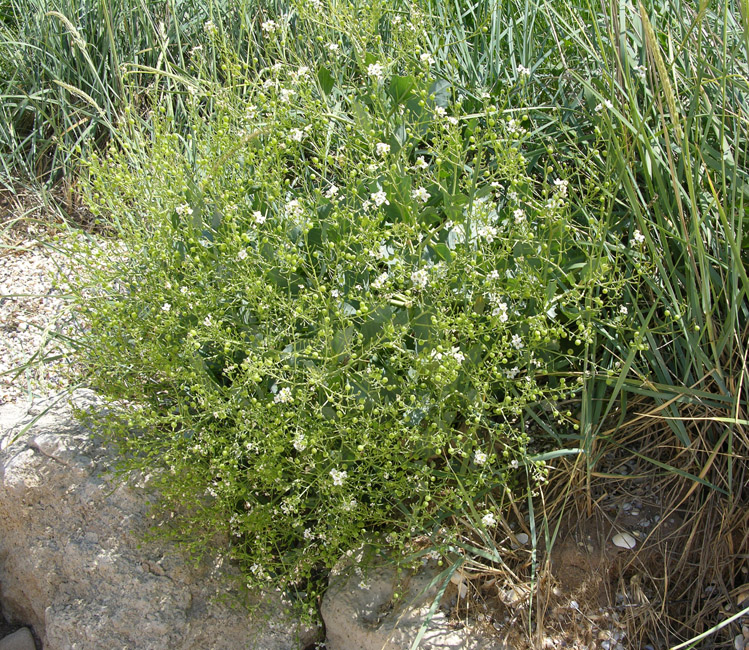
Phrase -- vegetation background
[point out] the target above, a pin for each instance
(641, 109)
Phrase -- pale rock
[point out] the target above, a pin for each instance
(367, 618)
(70, 562)
(624, 540)
(19, 640)
(522, 540)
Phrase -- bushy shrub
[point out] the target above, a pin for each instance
(328, 310)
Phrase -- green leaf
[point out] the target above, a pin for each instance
(441, 91)
(342, 340)
(400, 88)
(361, 116)
(373, 325)
(326, 80)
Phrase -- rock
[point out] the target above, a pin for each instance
(522, 540)
(19, 640)
(624, 540)
(74, 566)
(360, 614)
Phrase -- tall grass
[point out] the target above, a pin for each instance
(648, 103)
(69, 68)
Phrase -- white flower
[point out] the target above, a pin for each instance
(378, 198)
(512, 372)
(503, 317)
(333, 47)
(259, 217)
(523, 71)
(517, 342)
(379, 282)
(208, 321)
(637, 237)
(420, 278)
(489, 520)
(382, 149)
(561, 186)
(421, 195)
(375, 70)
(308, 534)
(283, 396)
(479, 457)
(501, 311)
(421, 163)
(300, 442)
(513, 126)
(166, 307)
(606, 103)
(487, 232)
(297, 135)
(242, 255)
(440, 111)
(269, 26)
(427, 58)
(294, 209)
(493, 275)
(514, 463)
(453, 120)
(286, 94)
(210, 27)
(349, 505)
(623, 310)
(457, 354)
(183, 210)
(519, 216)
(338, 476)
(331, 192)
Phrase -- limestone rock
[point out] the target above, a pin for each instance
(70, 562)
(19, 640)
(360, 614)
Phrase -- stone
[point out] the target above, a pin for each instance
(19, 640)
(624, 540)
(74, 566)
(360, 612)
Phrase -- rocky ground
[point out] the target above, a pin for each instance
(33, 316)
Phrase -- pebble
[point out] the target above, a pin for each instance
(624, 540)
(522, 539)
(19, 640)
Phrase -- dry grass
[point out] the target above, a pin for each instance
(690, 568)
